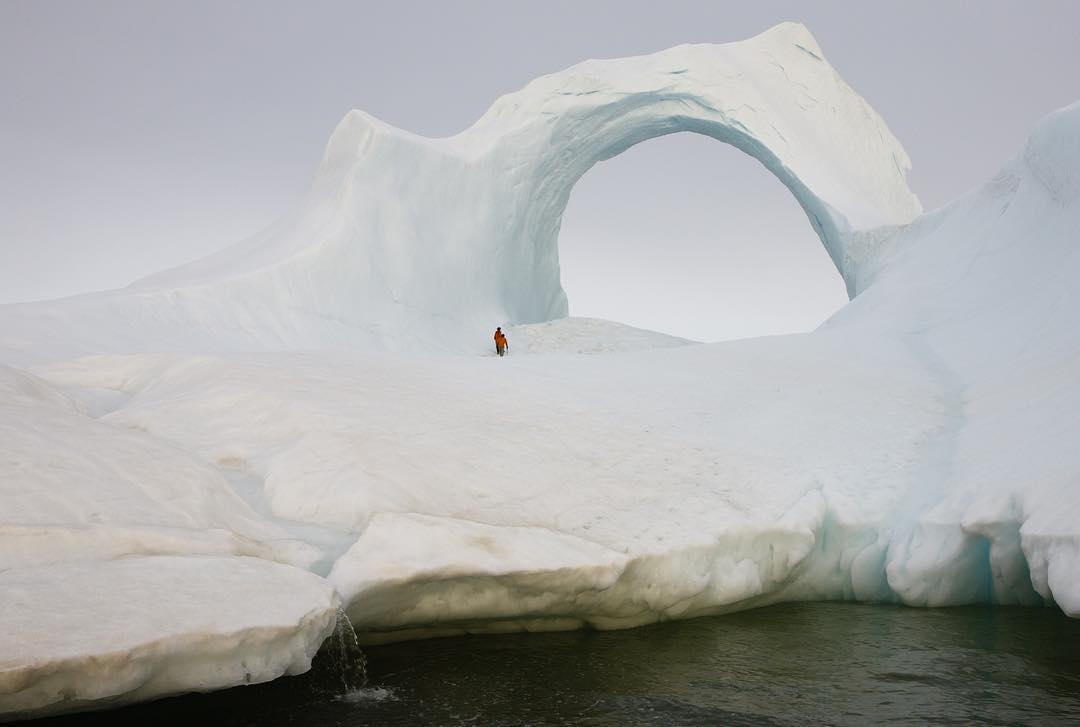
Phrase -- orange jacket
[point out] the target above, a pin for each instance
(500, 338)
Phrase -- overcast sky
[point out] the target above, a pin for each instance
(138, 135)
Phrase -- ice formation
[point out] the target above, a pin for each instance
(313, 397)
(405, 242)
(98, 633)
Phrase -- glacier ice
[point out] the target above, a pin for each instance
(316, 398)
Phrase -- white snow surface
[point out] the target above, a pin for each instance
(74, 487)
(325, 395)
(106, 633)
(585, 335)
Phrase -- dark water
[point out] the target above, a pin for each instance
(793, 665)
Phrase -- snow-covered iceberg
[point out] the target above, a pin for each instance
(314, 397)
(405, 242)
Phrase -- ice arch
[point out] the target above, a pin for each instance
(774, 97)
(721, 246)
(405, 241)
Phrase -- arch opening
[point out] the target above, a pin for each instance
(694, 238)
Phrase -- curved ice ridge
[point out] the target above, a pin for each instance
(497, 191)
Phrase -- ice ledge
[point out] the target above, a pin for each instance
(412, 570)
(84, 635)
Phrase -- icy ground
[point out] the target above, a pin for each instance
(104, 633)
(194, 470)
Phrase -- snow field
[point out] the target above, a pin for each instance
(73, 487)
(663, 495)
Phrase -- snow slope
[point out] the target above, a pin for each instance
(984, 292)
(586, 335)
(73, 487)
(324, 396)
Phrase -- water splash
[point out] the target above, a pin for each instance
(369, 694)
(341, 659)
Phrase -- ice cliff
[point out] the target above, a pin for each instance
(302, 418)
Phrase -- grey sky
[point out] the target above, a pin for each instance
(138, 135)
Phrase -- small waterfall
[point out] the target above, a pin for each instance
(340, 658)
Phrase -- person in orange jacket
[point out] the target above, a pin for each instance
(500, 342)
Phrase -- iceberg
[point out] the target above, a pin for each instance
(408, 243)
(307, 419)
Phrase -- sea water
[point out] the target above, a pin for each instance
(795, 664)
